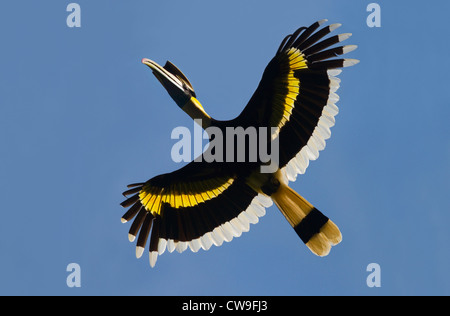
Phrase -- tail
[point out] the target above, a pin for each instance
(315, 229)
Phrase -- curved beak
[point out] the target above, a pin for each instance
(162, 74)
(174, 86)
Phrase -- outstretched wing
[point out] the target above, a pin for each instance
(297, 95)
(197, 206)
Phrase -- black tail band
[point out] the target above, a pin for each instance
(310, 225)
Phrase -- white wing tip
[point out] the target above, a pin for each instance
(334, 72)
(153, 257)
(334, 26)
(349, 48)
(344, 36)
(139, 251)
(350, 62)
(131, 237)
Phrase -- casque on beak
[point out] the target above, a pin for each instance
(173, 80)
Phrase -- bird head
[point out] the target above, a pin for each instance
(173, 80)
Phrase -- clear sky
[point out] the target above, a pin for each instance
(81, 117)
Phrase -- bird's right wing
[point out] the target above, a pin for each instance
(297, 95)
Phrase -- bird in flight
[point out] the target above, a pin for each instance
(209, 201)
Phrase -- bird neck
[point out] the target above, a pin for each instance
(195, 110)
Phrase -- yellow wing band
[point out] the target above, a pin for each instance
(180, 195)
(287, 88)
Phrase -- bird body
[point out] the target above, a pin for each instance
(290, 114)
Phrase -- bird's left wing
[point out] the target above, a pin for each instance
(196, 206)
(297, 95)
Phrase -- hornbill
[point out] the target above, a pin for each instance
(208, 202)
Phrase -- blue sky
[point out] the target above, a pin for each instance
(81, 117)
